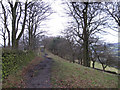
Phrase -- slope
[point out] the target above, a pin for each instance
(68, 75)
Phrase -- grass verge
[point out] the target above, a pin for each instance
(69, 75)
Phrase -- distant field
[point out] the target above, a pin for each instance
(69, 75)
(99, 66)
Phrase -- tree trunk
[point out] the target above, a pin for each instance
(86, 58)
(8, 38)
(103, 68)
(13, 9)
(78, 60)
(15, 44)
(73, 58)
(29, 40)
(81, 61)
(23, 25)
(86, 38)
(23, 42)
(13, 39)
(93, 64)
(4, 41)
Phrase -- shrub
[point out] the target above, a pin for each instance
(13, 60)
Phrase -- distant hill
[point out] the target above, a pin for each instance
(115, 47)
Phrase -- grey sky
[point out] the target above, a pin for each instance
(57, 23)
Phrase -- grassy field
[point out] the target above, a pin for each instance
(69, 75)
(99, 66)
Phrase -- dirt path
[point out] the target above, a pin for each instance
(39, 76)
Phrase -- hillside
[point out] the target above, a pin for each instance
(69, 75)
(114, 47)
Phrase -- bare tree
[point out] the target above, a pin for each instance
(103, 54)
(92, 48)
(5, 20)
(17, 11)
(3, 31)
(113, 9)
(68, 34)
(87, 16)
(38, 11)
(79, 54)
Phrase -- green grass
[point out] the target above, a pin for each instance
(99, 66)
(68, 75)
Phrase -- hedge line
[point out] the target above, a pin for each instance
(12, 61)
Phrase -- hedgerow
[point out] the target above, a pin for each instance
(13, 60)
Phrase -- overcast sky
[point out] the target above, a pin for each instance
(57, 23)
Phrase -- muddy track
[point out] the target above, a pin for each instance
(39, 75)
